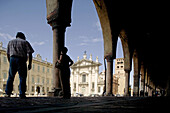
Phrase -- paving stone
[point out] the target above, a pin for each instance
(84, 104)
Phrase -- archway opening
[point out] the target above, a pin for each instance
(38, 90)
(85, 34)
(84, 40)
(131, 78)
(119, 71)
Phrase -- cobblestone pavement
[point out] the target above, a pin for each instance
(85, 104)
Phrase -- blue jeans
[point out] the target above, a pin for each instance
(17, 64)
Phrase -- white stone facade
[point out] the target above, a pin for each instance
(85, 78)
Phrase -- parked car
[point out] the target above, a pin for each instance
(79, 95)
(94, 95)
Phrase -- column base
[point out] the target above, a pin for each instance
(142, 93)
(55, 93)
(135, 95)
(126, 95)
(109, 95)
(146, 94)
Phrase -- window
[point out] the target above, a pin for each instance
(47, 80)
(98, 89)
(92, 85)
(43, 69)
(83, 78)
(47, 89)
(5, 75)
(32, 88)
(4, 87)
(74, 85)
(32, 79)
(38, 68)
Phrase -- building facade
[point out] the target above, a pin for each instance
(120, 76)
(39, 78)
(85, 78)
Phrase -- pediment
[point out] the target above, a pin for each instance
(85, 62)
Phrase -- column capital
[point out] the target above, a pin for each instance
(109, 58)
(55, 25)
(59, 12)
(127, 70)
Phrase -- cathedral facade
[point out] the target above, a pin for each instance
(85, 78)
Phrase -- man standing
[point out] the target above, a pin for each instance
(17, 52)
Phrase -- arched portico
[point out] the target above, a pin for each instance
(141, 33)
(136, 73)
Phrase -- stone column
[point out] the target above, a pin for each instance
(136, 75)
(142, 87)
(127, 79)
(59, 17)
(168, 87)
(136, 85)
(58, 44)
(146, 83)
(109, 76)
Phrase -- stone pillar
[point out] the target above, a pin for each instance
(59, 17)
(109, 76)
(58, 44)
(127, 78)
(146, 83)
(136, 75)
(168, 87)
(142, 87)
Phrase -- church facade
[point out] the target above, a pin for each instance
(85, 78)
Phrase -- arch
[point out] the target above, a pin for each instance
(126, 50)
(127, 60)
(38, 89)
(109, 36)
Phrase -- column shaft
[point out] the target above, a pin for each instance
(127, 78)
(58, 44)
(109, 76)
(136, 86)
(142, 89)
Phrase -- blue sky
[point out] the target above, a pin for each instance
(29, 17)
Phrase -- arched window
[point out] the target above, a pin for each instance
(83, 78)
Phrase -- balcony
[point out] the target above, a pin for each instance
(83, 83)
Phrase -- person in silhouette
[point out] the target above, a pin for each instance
(17, 52)
(66, 62)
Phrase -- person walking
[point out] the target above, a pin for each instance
(66, 62)
(17, 52)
